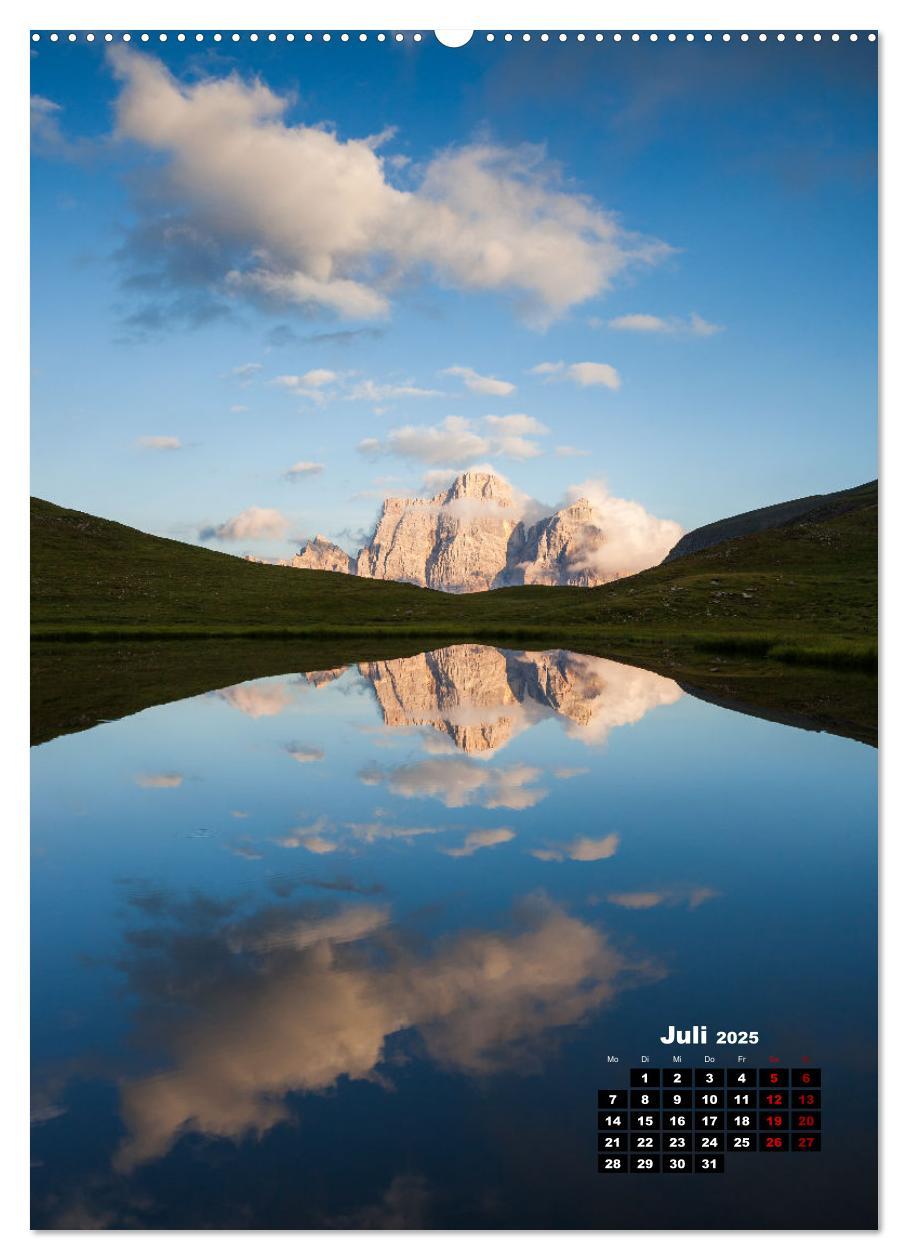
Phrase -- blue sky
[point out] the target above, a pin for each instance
(214, 262)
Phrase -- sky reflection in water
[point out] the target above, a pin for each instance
(350, 949)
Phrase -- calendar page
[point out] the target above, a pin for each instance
(454, 699)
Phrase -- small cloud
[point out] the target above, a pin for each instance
(373, 391)
(480, 384)
(648, 900)
(694, 326)
(456, 441)
(254, 522)
(484, 838)
(238, 407)
(583, 849)
(311, 384)
(158, 781)
(566, 452)
(246, 851)
(305, 753)
(584, 374)
(159, 443)
(303, 468)
(245, 372)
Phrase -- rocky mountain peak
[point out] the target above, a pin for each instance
(479, 485)
(470, 537)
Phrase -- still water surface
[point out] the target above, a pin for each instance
(351, 949)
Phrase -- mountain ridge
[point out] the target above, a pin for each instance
(470, 537)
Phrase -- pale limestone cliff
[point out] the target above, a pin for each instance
(456, 541)
(480, 697)
(320, 553)
(470, 537)
(556, 550)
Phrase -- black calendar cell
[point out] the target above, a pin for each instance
(712, 1121)
(709, 1163)
(805, 1120)
(645, 1099)
(677, 1163)
(805, 1142)
(612, 1163)
(801, 1077)
(805, 1099)
(774, 1121)
(773, 1141)
(774, 1076)
(743, 1077)
(610, 1099)
(677, 1141)
(610, 1142)
(644, 1142)
(644, 1163)
(642, 1077)
(709, 1142)
(740, 1121)
(683, 1078)
(674, 1121)
(644, 1120)
(709, 1099)
(741, 1141)
(609, 1120)
(774, 1099)
(741, 1099)
(709, 1076)
(677, 1099)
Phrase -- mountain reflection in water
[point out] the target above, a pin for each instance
(481, 697)
(350, 948)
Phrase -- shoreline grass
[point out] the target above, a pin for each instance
(828, 651)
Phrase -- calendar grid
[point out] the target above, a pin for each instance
(686, 1120)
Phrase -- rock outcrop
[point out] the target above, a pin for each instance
(556, 550)
(457, 541)
(481, 697)
(320, 553)
(470, 537)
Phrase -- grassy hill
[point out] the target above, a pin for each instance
(805, 589)
(781, 623)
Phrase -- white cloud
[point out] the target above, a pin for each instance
(305, 753)
(314, 386)
(159, 780)
(256, 700)
(330, 1001)
(480, 384)
(375, 391)
(245, 372)
(254, 522)
(580, 373)
(634, 538)
(565, 452)
(159, 443)
(452, 441)
(645, 900)
(309, 385)
(303, 468)
(694, 326)
(458, 782)
(484, 838)
(318, 215)
(509, 435)
(583, 849)
(455, 440)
